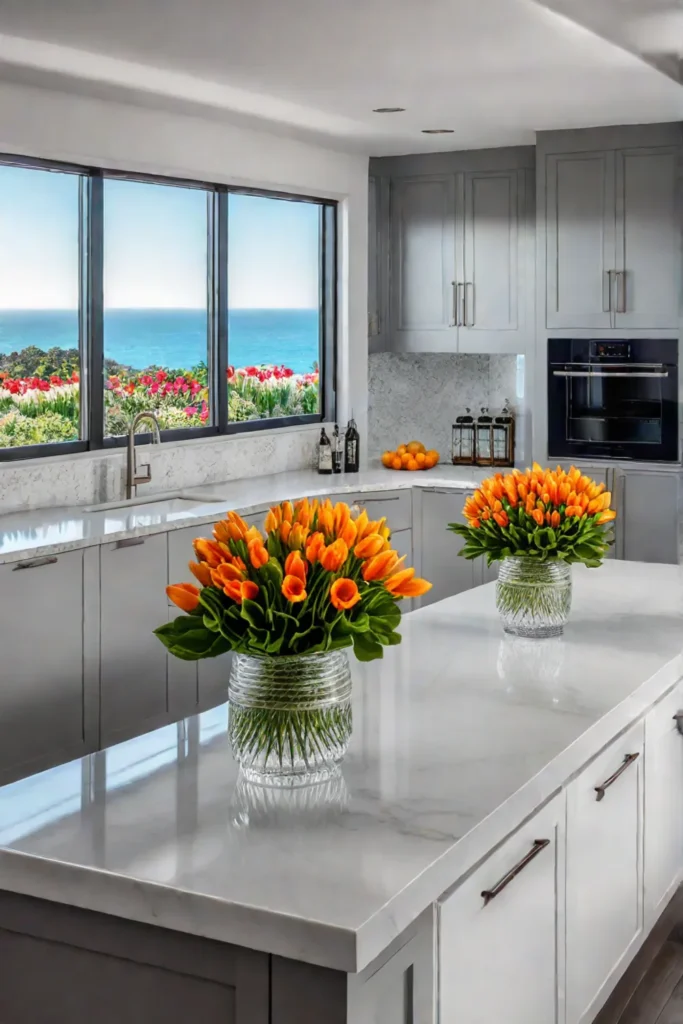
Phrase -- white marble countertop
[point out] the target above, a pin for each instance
(459, 735)
(51, 531)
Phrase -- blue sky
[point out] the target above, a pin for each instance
(155, 246)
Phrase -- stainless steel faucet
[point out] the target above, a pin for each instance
(132, 478)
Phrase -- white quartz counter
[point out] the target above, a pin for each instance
(53, 530)
(459, 735)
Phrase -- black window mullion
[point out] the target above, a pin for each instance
(94, 309)
(221, 302)
(328, 315)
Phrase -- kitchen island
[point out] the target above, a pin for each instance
(151, 875)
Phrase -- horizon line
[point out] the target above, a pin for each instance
(165, 309)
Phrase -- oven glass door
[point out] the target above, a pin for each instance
(616, 405)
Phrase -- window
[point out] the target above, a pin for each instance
(156, 318)
(210, 306)
(273, 308)
(40, 349)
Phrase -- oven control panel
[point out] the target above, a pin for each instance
(610, 350)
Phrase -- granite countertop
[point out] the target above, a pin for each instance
(459, 734)
(51, 531)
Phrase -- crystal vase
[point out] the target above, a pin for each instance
(290, 717)
(534, 598)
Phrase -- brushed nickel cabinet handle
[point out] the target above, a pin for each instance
(454, 310)
(130, 542)
(470, 318)
(621, 291)
(35, 563)
(490, 894)
(601, 790)
(607, 291)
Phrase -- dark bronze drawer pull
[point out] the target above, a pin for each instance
(129, 542)
(600, 790)
(678, 719)
(35, 563)
(490, 894)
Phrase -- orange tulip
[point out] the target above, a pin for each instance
(273, 520)
(573, 510)
(537, 516)
(287, 512)
(511, 490)
(379, 567)
(253, 533)
(258, 555)
(201, 571)
(606, 517)
(184, 595)
(334, 556)
(369, 546)
(316, 544)
(285, 531)
(295, 566)
(501, 518)
(348, 533)
(404, 584)
(555, 519)
(326, 520)
(293, 590)
(523, 491)
(476, 523)
(210, 552)
(344, 594)
(297, 536)
(246, 590)
(225, 574)
(302, 512)
(342, 514)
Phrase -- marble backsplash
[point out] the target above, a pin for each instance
(99, 476)
(419, 396)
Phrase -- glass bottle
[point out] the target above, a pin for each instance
(324, 454)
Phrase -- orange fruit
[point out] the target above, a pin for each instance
(388, 458)
(432, 454)
(420, 459)
(397, 464)
(405, 458)
(412, 465)
(415, 446)
(401, 450)
(430, 462)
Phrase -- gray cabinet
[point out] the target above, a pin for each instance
(424, 262)
(440, 562)
(47, 711)
(649, 517)
(402, 543)
(133, 677)
(613, 239)
(193, 686)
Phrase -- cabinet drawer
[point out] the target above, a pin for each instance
(663, 803)
(395, 506)
(604, 873)
(498, 953)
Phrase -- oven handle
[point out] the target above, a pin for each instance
(606, 373)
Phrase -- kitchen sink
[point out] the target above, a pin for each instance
(173, 501)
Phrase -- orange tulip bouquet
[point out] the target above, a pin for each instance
(287, 602)
(537, 523)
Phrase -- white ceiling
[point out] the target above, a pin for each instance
(495, 71)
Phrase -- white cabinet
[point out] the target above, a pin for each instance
(663, 804)
(193, 685)
(499, 954)
(604, 873)
(613, 239)
(649, 517)
(424, 261)
(439, 559)
(394, 506)
(47, 712)
(133, 679)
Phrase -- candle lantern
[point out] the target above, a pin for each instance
(484, 435)
(503, 432)
(463, 440)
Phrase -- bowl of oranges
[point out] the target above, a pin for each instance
(412, 456)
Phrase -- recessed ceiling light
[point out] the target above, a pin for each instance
(438, 131)
(388, 110)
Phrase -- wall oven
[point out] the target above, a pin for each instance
(613, 399)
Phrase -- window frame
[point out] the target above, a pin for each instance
(91, 309)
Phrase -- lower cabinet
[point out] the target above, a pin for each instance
(663, 858)
(498, 931)
(402, 542)
(439, 549)
(604, 876)
(133, 676)
(48, 710)
(649, 510)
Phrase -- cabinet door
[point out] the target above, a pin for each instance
(649, 525)
(373, 258)
(440, 562)
(498, 959)
(580, 227)
(648, 240)
(491, 269)
(604, 874)
(663, 804)
(133, 680)
(192, 686)
(402, 542)
(424, 259)
(43, 704)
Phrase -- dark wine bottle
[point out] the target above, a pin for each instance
(337, 452)
(352, 448)
(324, 454)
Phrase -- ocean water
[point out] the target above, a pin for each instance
(174, 338)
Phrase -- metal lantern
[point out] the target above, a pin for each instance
(503, 433)
(463, 440)
(484, 435)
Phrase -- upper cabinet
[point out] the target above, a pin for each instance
(612, 237)
(454, 275)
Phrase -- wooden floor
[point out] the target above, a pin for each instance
(651, 991)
